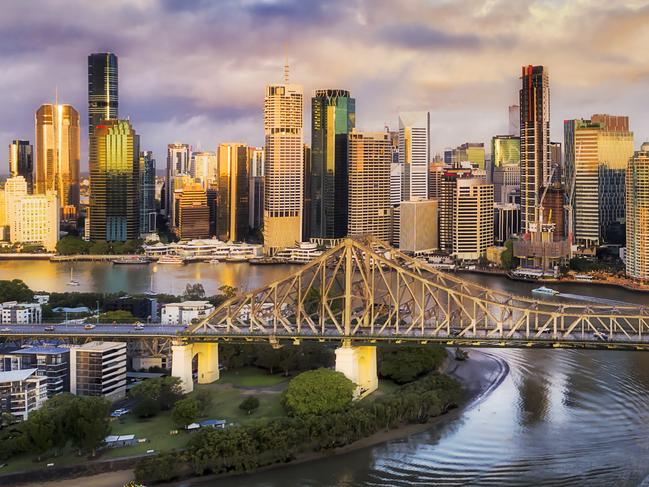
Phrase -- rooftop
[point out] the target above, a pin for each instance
(44, 350)
(98, 346)
(16, 375)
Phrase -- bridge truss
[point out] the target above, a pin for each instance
(364, 290)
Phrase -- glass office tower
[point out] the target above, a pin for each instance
(333, 117)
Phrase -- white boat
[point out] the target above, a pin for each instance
(171, 259)
(215, 261)
(72, 281)
(545, 290)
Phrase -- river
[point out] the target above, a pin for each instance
(561, 417)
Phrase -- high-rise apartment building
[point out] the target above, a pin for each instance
(414, 153)
(103, 101)
(535, 141)
(256, 189)
(473, 213)
(192, 212)
(147, 200)
(595, 146)
(232, 200)
(637, 215)
(204, 167)
(447, 206)
(333, 116)
(98, 369)
(58, 154)
(32, 219)
(178, 164)
(370, 156)
(115, 182)
(283, 160)
(21, 162)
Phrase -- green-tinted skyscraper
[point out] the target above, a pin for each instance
(333, 117)
(115, 182)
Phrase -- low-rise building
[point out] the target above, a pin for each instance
(51, 363)
(302, 254)
(21, 392)
(184, 313)
(204, 249)
(98, 369)
(15, 313)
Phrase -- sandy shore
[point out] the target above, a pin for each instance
(480, 374)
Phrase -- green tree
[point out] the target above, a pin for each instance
(146, 407)
(194, 291)
(165, 390)
(185, 411)
(507, 259)
(91, 423)
(405, 364)
(40, 432)
(205, 399)
(72, 245)
(118, 316)
(228, 291)
(320, 391)
(99, 247)
(15, 290)
(249, 404)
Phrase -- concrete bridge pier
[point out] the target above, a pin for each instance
(182, 363)
(359, 365)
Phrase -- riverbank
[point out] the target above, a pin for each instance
(479, 375)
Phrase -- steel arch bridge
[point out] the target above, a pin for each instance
(363, 290)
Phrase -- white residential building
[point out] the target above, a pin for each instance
(305, 252)
(414, 153)
(98, 369)
(21, 392)
(15, 313)
(34, 219)
(183, 313)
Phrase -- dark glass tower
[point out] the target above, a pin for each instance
(333, 117)
(102, 92)
(147, 199)
(21, 162)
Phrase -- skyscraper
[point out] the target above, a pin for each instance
(333, 117)
(192, 212)
(637, 215)
(204, 165)
(147, 200)
(21, 162)
(370, 156)
(414, 151)
(115, 182)
(178, 165)
(232, 200)
(283, 191)
(102, 93)
(505, 150)
(601, 144)
(58, 154)
(535, 141)
(256, 191)
(473, 216)
(514, 120)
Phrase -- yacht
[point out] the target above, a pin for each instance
(72, 281)
(130, 261)
(215, 261)
(171, 259)
(545, 290)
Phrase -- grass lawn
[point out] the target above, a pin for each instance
(226, 397)
(251, 377)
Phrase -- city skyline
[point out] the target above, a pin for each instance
(390, 64)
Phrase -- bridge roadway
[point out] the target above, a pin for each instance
(481, 338)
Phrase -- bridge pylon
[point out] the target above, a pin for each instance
(359, 365)
(182, 360)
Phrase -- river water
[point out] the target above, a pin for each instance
(560, 417)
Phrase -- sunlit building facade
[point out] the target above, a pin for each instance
(505, 151)
(333, 117)
(34, 220)
(115, 183)
(637, 215)
(232, 200)
(58, 154)
(21, 162)
(204, 165)
(283, 160)
(370, 156)
(473, 214)
(192, 212)
(178, 165)
(414, 154)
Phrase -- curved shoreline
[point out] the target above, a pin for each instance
(480, 375)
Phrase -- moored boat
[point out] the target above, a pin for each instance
(545, 290)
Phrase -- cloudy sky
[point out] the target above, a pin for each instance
(194, 70)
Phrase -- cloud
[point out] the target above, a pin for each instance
(195, 71)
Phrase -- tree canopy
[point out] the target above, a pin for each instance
(164, 390)
(404, 364)
(118, 316)
(249, 404)
(15, 290)
(185, 412)
(320, 391)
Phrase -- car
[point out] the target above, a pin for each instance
(88, 327)
(5, 330)
(139, 326)
(603, 337)
(49, 328)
